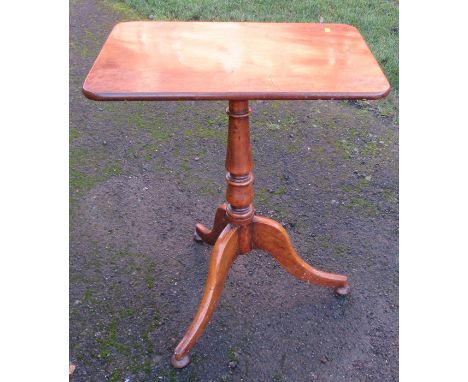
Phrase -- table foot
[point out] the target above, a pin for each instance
(180, 364)
(197, 237)
(342, 291)
(223, 254)
(270, 236)
(203, 234)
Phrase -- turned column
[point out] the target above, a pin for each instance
(239, 177)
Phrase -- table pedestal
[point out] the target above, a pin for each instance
(237, 230)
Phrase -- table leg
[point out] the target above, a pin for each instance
(204, 234)
(270, 236)
(222, 256)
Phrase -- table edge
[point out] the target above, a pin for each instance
(202, 96)
(234, 22)
(190, 96)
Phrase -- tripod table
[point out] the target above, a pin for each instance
(237, 62)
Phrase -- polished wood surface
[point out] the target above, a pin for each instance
(223, 254)
(237, 230)
(210, 236)
(239, 192)
(270, 236)
(147, 60)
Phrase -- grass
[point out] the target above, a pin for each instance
(377, 20)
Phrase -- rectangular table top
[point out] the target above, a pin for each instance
(148, 60)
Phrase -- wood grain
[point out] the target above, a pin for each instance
(223, 254)
(210, 236)
(271, 237)
(147, 60)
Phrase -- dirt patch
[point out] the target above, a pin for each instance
(141, 176)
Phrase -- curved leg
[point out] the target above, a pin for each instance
(223, 254)
(204, 234)
(270, 236)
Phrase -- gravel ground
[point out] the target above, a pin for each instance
(142, 174)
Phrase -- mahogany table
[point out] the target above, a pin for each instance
(237, 62)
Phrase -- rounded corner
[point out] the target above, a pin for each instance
(385, 92)
(89, 94)
(351, 27)
(121, 24)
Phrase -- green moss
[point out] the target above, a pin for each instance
(323, 241)
(345, 148)
(148, 343)
(73, 134)
(232, 355)
(357, 188)
(278, 377)
(110, 171)
(88, 295)
(172, 376)
(386, 107)
(210, 133)
(200, 185)
(149, 150)
(371, 149)
(84, 51)
(354, 132)
(389, 196)
(274, 105)
(90, 36)
(146, 366)
(340, 250)
(216, 120)
(149, 279)
(331, 124)
(356, 200)
(273, 126)
(110, 343)
(116, 376)
(155, 128)
(363, 205)
(155, 323)
(86, 170)
(193, 377)
(347, 188)
(266, 200)
(185, 167)
(262, 196)
(126, 313)
(292, 148)
(158, 134)
(281, 190)
(123, 254)
(80, 182)
(207, 188)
